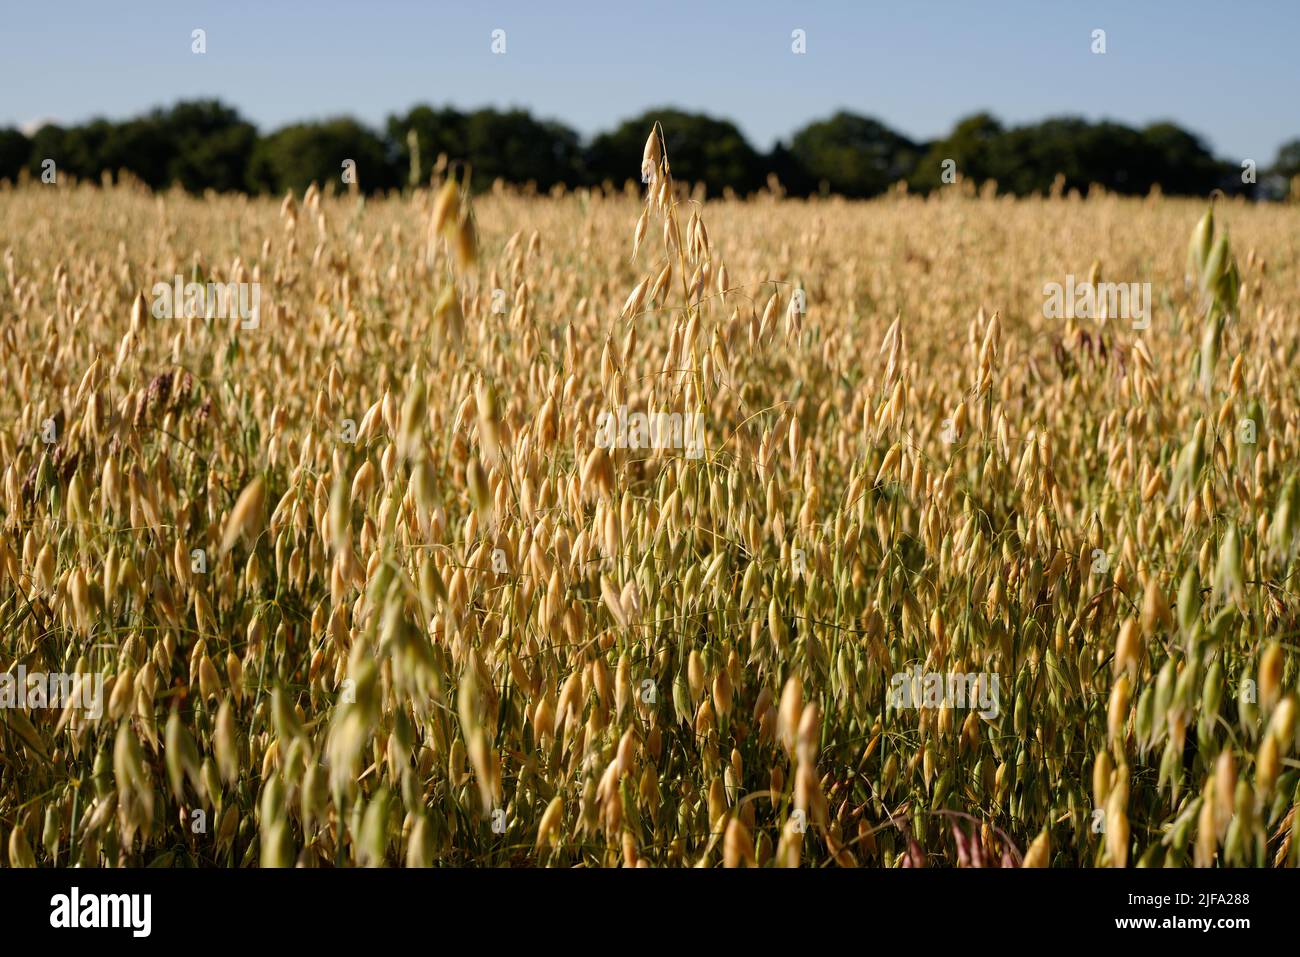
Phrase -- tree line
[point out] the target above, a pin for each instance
(205, 144)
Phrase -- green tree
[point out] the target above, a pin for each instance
(789, 171)
(973, 146)
(854, 155)
(1183, 165)
(98, 146)
(15, 149)
(210, 145)
(141, 146)
(294, 157)
(1287, 163)
(1030, 157)
(515, 147)
(204, 144)
(701, 149)
(437, 131)
(201, 145)
(1027, 159)
(75, 150)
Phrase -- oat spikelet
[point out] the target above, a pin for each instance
(246, 517)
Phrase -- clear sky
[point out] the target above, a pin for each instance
(1229, 71)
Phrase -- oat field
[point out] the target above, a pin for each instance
(364, 586)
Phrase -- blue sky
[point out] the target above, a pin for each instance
(1228, 71)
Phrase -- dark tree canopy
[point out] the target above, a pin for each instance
(212, 143)
(297, 156)
(1288, 159)
(1027, 159)
(515, 147)
(203, 144)
(701, 149)
(973, 148)
(15, 150)
(508, 145)
(854, 155)
(1182, 163)
(198, 145)
(437, 131)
